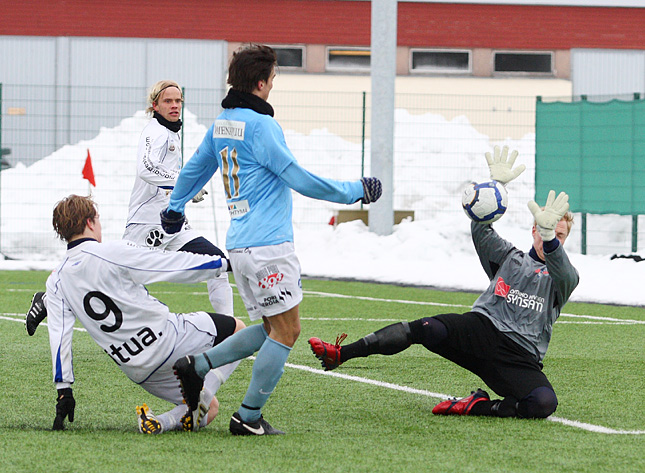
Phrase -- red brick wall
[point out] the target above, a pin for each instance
(330, 22)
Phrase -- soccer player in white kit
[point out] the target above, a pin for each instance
(102, 285)
(159, 161)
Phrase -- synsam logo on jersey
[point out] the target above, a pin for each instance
(513, 296)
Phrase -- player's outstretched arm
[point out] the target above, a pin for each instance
(366, 189)
(501, 165)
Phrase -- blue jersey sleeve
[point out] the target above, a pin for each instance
(316, 187)
(272, 152)
(270, 147)
(195, 174)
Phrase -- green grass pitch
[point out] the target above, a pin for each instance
(374, 418)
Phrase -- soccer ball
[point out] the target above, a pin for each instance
(485, 202)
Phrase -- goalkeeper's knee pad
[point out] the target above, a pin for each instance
(389, 340)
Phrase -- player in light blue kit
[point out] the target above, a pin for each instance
(259, 171)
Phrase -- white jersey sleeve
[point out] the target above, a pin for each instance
(102, 285)
(60, 322)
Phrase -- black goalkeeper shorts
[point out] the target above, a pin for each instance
(225, 325)
(475, 344)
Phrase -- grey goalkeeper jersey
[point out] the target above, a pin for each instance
(525, 296)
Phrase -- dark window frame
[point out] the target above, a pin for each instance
(283, 47)
(526, 54)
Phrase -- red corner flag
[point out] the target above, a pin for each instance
(88, 172)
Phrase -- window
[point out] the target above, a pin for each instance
(348, 59)
(441, 61)
(290, 57)
(531, 63)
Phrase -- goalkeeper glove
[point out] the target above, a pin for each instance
(199, 197)
(547, 219)
(372, 189)
(501, 165)
(172, 221)
(65, 405)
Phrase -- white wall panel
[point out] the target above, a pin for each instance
(70, 87)
(606, 73)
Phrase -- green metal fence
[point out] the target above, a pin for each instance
(595, 151)
(440, 141)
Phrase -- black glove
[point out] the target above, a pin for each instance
(172, 221)
(372, 189)
(64, 408)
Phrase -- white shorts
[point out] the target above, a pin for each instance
(267, 278)
(196, 333)
(153, 235)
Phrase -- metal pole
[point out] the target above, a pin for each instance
(383, 72)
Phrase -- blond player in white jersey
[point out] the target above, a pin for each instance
(158, 164)
(102, 285)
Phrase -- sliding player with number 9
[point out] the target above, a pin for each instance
(102, 285)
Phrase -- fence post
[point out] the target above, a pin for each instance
(583, 245)
(1, 254)
(637, 96)
(363, 141)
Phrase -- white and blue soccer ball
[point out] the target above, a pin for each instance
(485, 202)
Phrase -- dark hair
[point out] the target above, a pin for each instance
(249, 65)
(71, 215)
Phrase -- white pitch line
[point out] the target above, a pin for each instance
(398, 301)
(572, 423)
(377, 299)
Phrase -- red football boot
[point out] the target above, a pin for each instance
(328, 354)
(460, 407)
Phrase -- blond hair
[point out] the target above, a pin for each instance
(71, 215)
(568, 217)
(156, 90)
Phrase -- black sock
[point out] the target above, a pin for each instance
(498, 408)
(354, 350)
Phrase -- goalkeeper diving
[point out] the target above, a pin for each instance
(504, 338)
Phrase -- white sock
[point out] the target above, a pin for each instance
(218, 376)
(220, 293)
(171, 420)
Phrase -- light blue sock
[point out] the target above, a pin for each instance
(267, 370)
(239, 345)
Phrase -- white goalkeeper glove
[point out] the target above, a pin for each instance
(547, 219)
(199, 196)
(501, 165)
